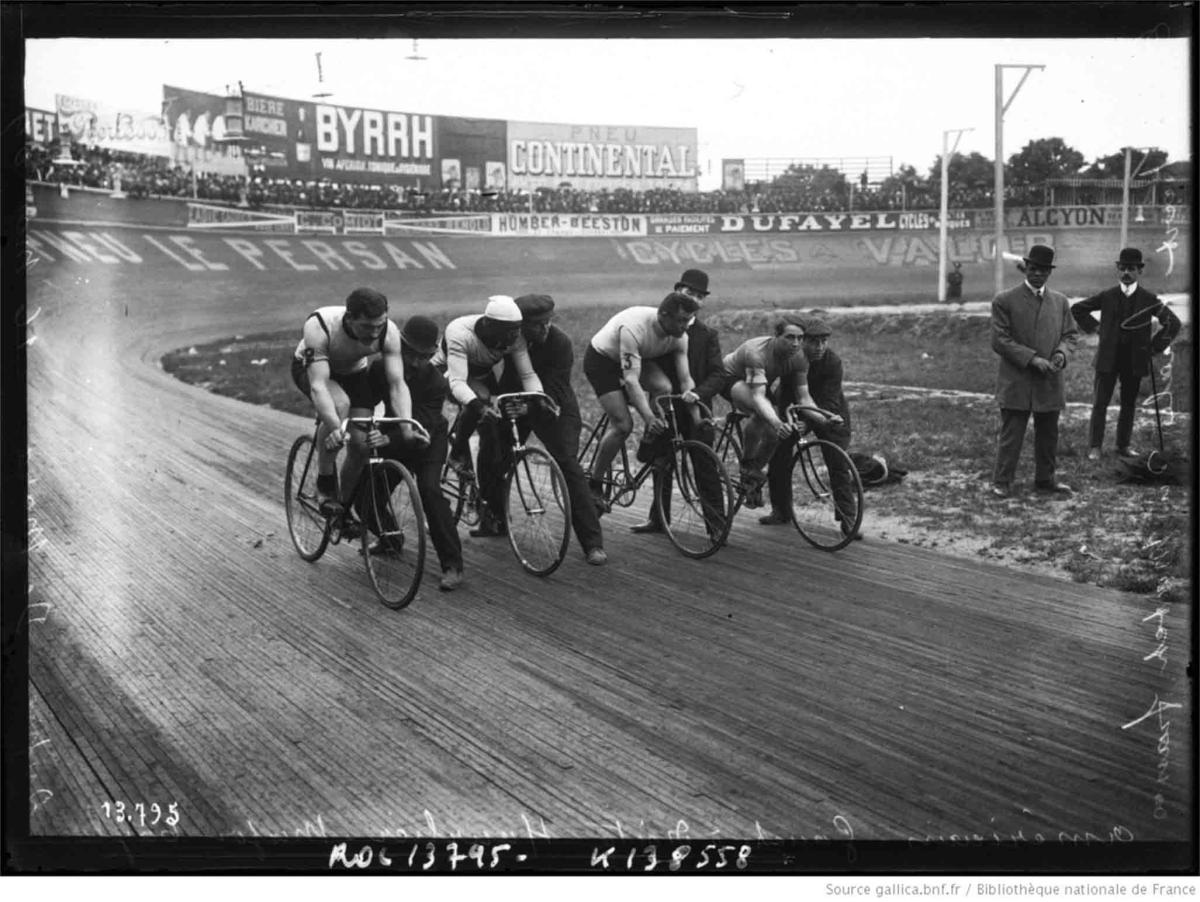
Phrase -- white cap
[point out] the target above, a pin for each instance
(502, 308)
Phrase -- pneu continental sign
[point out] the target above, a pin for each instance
(595, 157)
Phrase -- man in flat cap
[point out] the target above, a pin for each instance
(1126, 346)
(552, 356)
(824, 381)
(1034, 334)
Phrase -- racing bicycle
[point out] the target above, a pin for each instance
(536, 509)
(385, 514)
(825, 511)
(693, 498)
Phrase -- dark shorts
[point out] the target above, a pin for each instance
(359, 387)
(603, 373)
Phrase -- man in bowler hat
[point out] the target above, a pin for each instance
(1034, 334)
(1126, 347)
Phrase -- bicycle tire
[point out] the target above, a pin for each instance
(816, 512)
(307, 526)
(537, 511)
(695, 525)
(393, 537)
(620, 489)
(729, 449)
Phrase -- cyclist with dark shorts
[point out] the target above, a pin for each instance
(621, 363)
(331, 365)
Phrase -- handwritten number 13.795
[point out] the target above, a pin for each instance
(136, 814)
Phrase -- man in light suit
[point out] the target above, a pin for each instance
(1126, 348)
(1034, 334)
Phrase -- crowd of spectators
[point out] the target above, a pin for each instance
(143, 176)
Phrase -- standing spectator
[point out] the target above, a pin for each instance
(553, 356)
(954, 280)
(1034, 334)
(1126, 348)
(825, 374)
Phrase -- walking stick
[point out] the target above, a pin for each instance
(1158, 423)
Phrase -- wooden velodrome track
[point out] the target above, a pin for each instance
(180, 651)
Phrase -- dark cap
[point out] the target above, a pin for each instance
(1040, 255)
(1130, 256)
(816, 328)
(535, 308)
(420, 333)
(695, 279)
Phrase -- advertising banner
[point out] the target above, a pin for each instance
(681, 223)
(339, 222)
(279, 135)
(470, 151)
(41, 126)
(567, 225)
(196, 127)
(374, 147)
(839, 222)
(596, 157)
(95, 124)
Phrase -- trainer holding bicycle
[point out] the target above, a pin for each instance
(1126, 349)
(331, 366)
(471, 347)
(553, 356)
(429, 390)
(621, 364)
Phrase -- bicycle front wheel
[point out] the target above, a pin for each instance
(309, 528)
(827, 495)
(694, 499)
(538, 511)
(393, 541)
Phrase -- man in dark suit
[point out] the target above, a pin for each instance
(704, 364)
(552, 356)
(429, 389)
(1034, 334)
(1126, 347)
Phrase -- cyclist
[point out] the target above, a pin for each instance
(331, 365)
(751, 369)
(471, 348)
(621, 364)
(704, 366)
(825, 386)
(428, 388)
(553, 356)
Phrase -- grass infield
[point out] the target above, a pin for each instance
(920, 392)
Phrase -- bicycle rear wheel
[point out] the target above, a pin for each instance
(393, 542)
(619, 489)
(827, 497)
(729, 449)
(695, 500)
(308, 527)
(538, 511)
(462, 495)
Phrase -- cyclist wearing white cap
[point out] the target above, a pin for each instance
(472, 348)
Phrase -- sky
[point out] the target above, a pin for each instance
(750, 99)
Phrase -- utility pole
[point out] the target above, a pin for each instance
(1001, 108)
(946, 154)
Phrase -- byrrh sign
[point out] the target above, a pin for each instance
(591, 157)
